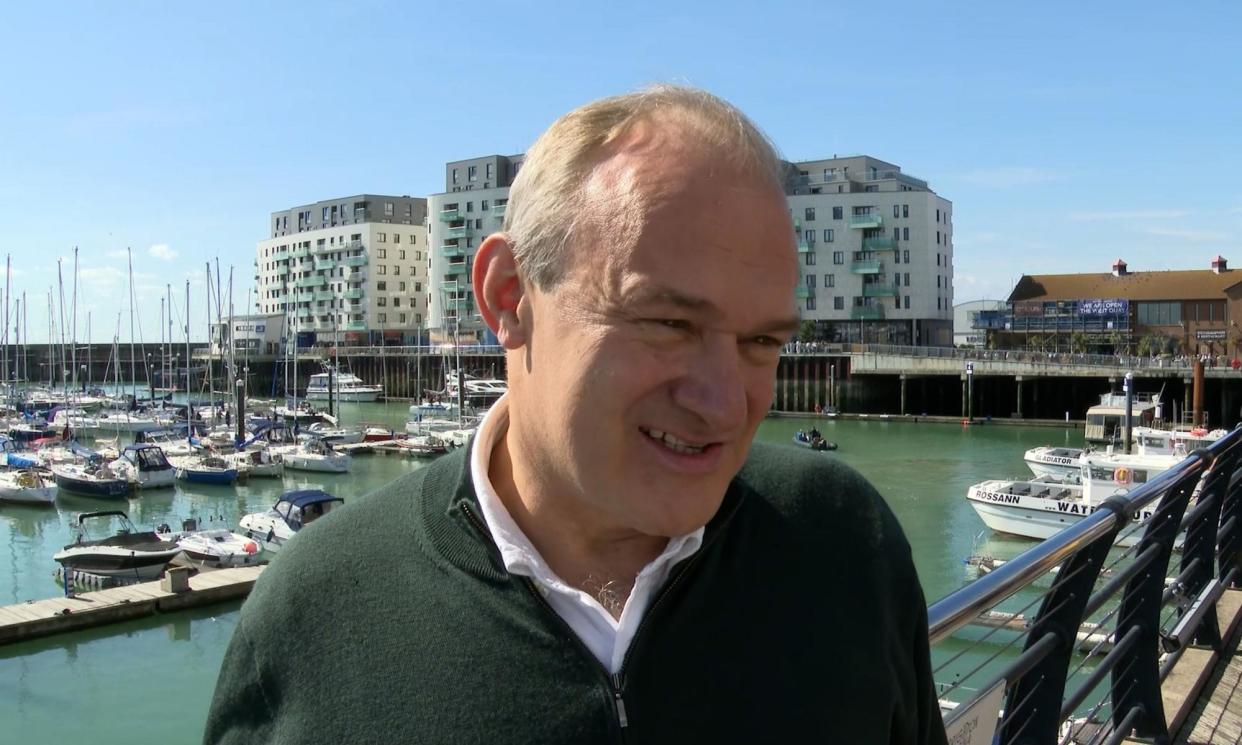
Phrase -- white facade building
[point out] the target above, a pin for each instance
(353, 269)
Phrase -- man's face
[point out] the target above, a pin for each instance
(651, 365)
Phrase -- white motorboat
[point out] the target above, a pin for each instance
(1105, 420)
(345, 387)
(292, 512)
(145, 465)
(314, 455)
(218, 547)
(1041, 507)
(476, 387)
(257, 462)
(334, 435)
(26, 487)
(1053, 462)
(127, 554)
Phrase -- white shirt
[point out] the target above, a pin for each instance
(608, 638)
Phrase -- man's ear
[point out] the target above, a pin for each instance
(498, 290)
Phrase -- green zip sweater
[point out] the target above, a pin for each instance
(800, 619)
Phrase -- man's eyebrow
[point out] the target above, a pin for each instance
(667, 295)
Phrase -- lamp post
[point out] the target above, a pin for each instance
(970, 392)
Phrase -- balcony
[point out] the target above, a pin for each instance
(301, 253)
(325, 295)
(456, 270)
(879, 289)
(879, 244)
(450, 215)
(356, 326)
(353, 294)
(867, 313)
(279, 254)
(311, 282)
(805, 248)
(324, 248)
(867, 266)
(804, 291)
(869, 220)
(452, 285)
(499, 209)
(460, 232)
(354, 261)
(450, 251)
(323, 265)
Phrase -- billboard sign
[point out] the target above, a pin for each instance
(1104, 307)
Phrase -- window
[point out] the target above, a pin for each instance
(810, 303)
(937, 215)
(905, 256)
(381, 238)
(838, 257)
(413, 239)
(381, 253)
(871, 187)
(472, 173)
(810, 214)
(381, 269)
(828, 235)
(490, 171)
(937, 280)
(396, 269)
(381, 301)
(810, 258)
(483, 205)
(907, 279)
(470, 206)
(478, 224)
(401, 254)
(896, 210)
(830, 280)
(418, 255)
(896, 234)
(325, 214)
(838, 303)
(413, 271)
(905, 210)
(905, 234)
(418, 287)
(418, 318)
(897, 277)
(401, 319)
(906, 302)
(388, 209)
(396, 237)
(937, 237)
(937, 259)
(809, 237)
(401, 287)
(396, 302)
(382, 317)
(838, 213)
(454, 175)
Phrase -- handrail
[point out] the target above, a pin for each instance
(1145, 624)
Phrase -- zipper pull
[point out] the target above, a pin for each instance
(618, 683)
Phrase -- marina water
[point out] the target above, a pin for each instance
(151, 680)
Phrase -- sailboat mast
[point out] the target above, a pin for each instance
(8, 269)
(89, 371)
(73, 324)
(188, 428)
(133, 366)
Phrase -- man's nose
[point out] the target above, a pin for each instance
(714, 386)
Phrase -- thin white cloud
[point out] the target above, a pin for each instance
(1129, 215)
(1189, 236)
(98, 276)
(162, 251)
(1009, 176)
(119, 253)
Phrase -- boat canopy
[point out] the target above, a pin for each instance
(304, 497)
(146, 456)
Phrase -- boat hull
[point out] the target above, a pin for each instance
(103, 488)
(333, 464)
(1038, 518)
(28, 495)
(219, 477)
(117, 563)
(362, 396)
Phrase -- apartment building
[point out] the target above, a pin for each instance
(351, 270)
(476, 193)
(875, 247)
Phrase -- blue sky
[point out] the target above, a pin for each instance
(1066, 134)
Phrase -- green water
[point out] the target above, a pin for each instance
(151, 680)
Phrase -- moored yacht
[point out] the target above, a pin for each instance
(345, 387)
(128, 554)
(292, 512)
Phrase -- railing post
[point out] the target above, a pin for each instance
(1200, 546)
(1033, 704)
(1136, 684)
(1229, 537)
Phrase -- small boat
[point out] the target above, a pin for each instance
(93, 479)
(258, 463)
(11, 455)
(1054, 462)
(146, 466)
(292, 512)
(27, 486)
(813, 440)
(205, 469)
(345, 387)
(213, 547)
(128, 554)
(315, 455)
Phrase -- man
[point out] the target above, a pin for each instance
(612, 560)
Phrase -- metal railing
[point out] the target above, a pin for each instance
(1122, 362)
(1081, 632)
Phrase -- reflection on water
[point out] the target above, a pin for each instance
(167, 665)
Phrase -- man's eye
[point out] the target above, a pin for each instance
(671, 323)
